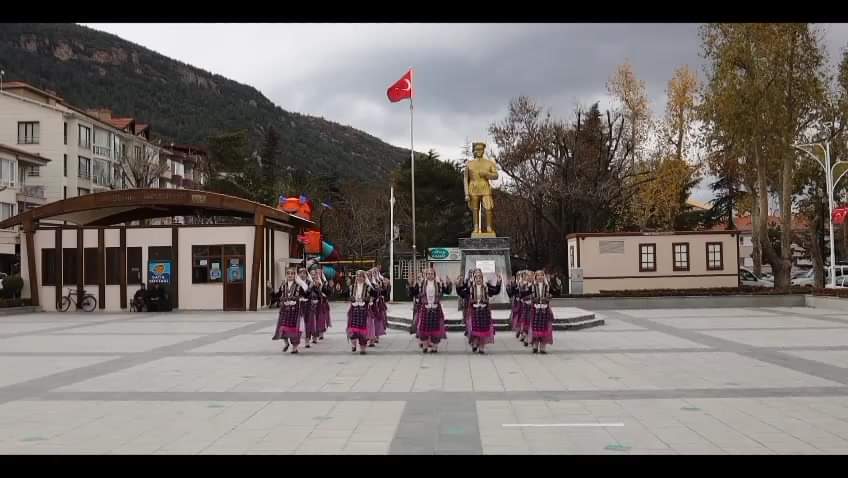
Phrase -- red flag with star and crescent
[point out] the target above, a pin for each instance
(402, 89)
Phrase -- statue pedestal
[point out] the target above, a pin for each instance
(491, 254)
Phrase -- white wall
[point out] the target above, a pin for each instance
(211, 296)
(191, 296)
(281, 256)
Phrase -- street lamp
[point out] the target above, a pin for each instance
(830, 185)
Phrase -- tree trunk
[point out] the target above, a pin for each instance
(780, 281)
(786, 216)
(755, 231)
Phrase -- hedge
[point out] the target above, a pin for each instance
(705, 292)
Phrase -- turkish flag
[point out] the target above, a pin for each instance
(402, 89)
(839, 215)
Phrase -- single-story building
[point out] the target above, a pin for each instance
(654, 260)
(84, 242)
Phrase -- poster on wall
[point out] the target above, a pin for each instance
(159, 272)
(486, 267)
(215, 271)
(234, 273)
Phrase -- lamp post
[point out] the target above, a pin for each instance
(392, 245)
(830, 185)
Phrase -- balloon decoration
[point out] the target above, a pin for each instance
(314, 246)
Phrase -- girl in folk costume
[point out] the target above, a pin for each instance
(525, 305)
(431, 317)
(463, 302)
(517, 290)
(307, 310)
(477, 296)
(317, 294)
(289, 319)
(359, 313)
(542, 320)
(378, 306)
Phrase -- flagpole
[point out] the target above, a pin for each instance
(412, 168)
(392, 245)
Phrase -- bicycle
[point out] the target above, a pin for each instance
(86, 303)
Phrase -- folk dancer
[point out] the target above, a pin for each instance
(359, 313)
(477, 295)
(317, 295)
(310, 324)
(542, 321)
(513, 291)
(431, 317)
(378, 305)
(525, 305)
(290, 316)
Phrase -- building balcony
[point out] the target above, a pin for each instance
(103, 151)
(32, 194)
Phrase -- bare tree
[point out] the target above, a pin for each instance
(143, 169)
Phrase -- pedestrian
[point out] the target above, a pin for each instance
(477, 294)
(358, 313)
(431, 317)
(290, 317)
(542, 316)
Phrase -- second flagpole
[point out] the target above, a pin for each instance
(412, 169)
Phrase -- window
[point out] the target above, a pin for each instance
(681, 256)
(102, 173)
(8, 172)
(84, 137)
(113, 266)
(33, 171)
(69, 265)
(7, 210)
(647, 257)
(715, 258)
(207, 264)
(66, 134)
(66, 165)
(134, 265)
(48, 265)
(28, 132)
(89, 270)
(65, 192)
(84, 167)
(82, 191)
(137, 150)
(571, 262)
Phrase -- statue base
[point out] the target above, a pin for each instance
(491, 254)
(475, 235)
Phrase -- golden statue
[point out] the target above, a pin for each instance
(478, 192)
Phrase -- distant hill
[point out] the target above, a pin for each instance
(91, 69)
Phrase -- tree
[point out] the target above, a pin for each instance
(680, 112)
(271, 165)
(764, 89)
(632, 99)
(441, 215)
(143, 167)
(568, 176)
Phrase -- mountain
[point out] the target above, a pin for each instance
(92, 69)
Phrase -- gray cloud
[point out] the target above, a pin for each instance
(465, 73)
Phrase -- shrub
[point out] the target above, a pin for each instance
(706, 292)
(12, 286)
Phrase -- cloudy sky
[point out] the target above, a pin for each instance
(465, 74)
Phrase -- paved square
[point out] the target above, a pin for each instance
(670, 381)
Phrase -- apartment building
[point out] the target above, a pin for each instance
(89, 150)
(16, 195)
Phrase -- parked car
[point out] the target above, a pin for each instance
(748, 278)
(808, 278)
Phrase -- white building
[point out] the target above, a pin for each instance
(17, 167)
(85, 148)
